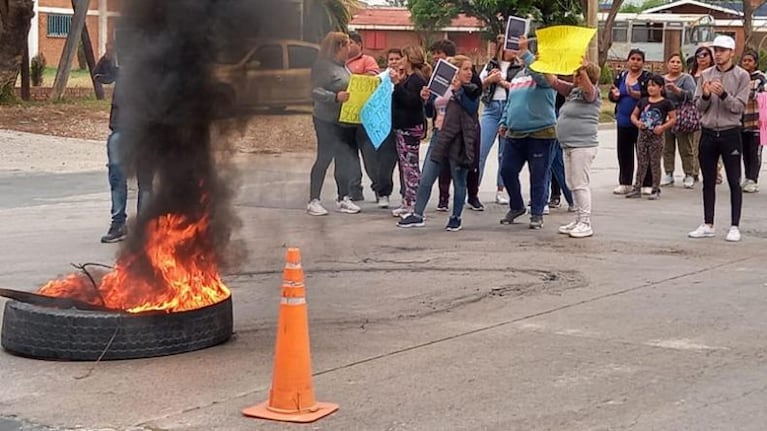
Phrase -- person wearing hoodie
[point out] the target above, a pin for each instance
(455, 146)
(335, 140)
(529, 124)
(107, 71)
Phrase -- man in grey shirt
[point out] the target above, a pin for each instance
(721, 97)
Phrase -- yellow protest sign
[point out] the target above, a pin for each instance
(361, 87)
(561, 48)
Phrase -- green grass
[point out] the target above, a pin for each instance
(77, 78)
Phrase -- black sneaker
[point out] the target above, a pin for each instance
(475, 204)
(412, 220)
(555, 202)
(513, 214)
(453, 225)
(442, 205)
(634, 194)
(654, 196)
(536, 222)
(117, 233)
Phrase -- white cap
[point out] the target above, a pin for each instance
(725, 42)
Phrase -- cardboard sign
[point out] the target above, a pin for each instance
(561, 49)
(442, 78)
(360, 88)
(376, 114)
(515, 28)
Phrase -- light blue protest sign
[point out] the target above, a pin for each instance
(376, 114)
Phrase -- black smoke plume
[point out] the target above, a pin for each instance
(169, 112)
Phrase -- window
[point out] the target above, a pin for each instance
(269, 57)
(647, 33)
(58, 25)
(301, 57)
(374, 40)
(620, 32)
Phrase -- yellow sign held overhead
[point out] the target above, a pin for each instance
(361, 87)
(561, 48)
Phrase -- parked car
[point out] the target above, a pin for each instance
(273, 74)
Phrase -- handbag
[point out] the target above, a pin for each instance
(687, 118)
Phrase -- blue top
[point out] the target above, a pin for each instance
(626, 103)
(530, 105)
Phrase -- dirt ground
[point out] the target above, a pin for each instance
(284, 132)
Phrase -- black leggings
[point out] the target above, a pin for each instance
(627, 139)
(752, 155)
(727, 145)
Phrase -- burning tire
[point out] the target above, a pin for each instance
(77, 335)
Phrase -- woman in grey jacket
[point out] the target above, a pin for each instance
(335, 140)
(680, 88)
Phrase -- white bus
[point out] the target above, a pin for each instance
(659, 34)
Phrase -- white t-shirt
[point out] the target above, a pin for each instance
(500, 92)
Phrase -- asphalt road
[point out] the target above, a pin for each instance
(491, 328)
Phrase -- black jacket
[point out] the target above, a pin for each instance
(459, 137)
(106, 72)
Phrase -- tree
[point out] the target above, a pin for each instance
(605, 35)
(15, 21)
(749, 7)
(323, 16)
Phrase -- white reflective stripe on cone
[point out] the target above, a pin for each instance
(293, 301)
(290, 265)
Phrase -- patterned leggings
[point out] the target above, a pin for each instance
(408, 145)
(649, 152)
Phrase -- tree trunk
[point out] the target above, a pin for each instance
(749, 7)
(15, 20)
(605, 37)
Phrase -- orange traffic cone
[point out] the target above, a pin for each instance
(291, 397)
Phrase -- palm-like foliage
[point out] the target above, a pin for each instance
(322, 16)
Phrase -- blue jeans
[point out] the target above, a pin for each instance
(429, 175)
(558, 171)
(118, 182)
(537, 154)
(491, 116)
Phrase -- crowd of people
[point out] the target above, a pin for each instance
(709, 115)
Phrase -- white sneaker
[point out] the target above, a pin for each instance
(749, 186)
(733, 235)
(315, 208)
(581, 230)
(646, 190)
(501, 199)
(566, 229)
(622, 190)
(383, 202)
(703, 231)
(688, 182)
(546, 210)
(347, 206)
(401, 211)
(667, 180)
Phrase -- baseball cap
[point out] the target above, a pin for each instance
(725, 42)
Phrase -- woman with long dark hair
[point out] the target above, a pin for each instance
(629, 86)
(702, 60)
(408, 119)
(680, 89)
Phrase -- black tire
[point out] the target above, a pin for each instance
(77, 335)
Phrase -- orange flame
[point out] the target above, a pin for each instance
(176, 272)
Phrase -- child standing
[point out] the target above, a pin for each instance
(653, 115)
